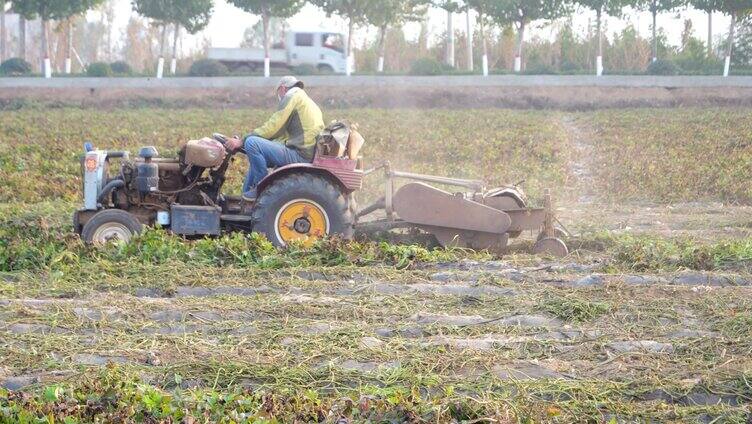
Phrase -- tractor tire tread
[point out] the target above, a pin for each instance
(264, 211)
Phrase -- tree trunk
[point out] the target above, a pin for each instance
(175, 41)
(732, 28)
(349, 58)
(174, 61)
(599, 59)
(655, 31)
(46, 67)
(450, 40)
(109, 39)
(518, 55)
(727, 65)
(267, 44)
(710, 34)
(424, 34)
(483, 43)
(482, 34)
(163, 40)
(469, 42)
(3, 46)
(69, 47)
(45, 47)
(160, 61)
(382, 48)
(22, 37)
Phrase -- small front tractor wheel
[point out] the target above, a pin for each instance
(302, 207)
(110, 225)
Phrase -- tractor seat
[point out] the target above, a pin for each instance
(354, 143)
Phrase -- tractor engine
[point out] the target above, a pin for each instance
(149, 183)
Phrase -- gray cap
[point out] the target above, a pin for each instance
(289, 81)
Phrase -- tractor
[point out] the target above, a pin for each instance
(301, 202)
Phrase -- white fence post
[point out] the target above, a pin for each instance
(485, 65)
(267, 67)
(160, 68)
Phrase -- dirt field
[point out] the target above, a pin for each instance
(647, 320)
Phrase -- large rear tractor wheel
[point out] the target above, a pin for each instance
(110, 225)
(304, 208)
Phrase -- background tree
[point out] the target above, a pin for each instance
(481, 7)
(451, 7)
(743, 41)
(267, 9)
(3, 35)
(736, 9)
(355, 12)
(140, 42)
(80, 8)
(603, 7)
(521, 13)
(655, 7)
(253, 36)
(107, 10)
(158, 11)
(46, 10)
(393, 13)
(709, 7)
(193, 15)
(21, 36)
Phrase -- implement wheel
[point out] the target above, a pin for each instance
(302, 207)
(110, 225)
(551, 246)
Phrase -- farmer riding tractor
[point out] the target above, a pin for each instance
(301, 202)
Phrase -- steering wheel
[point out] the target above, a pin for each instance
(223, 140)
(219, 137)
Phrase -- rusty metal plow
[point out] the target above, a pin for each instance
(480, 219)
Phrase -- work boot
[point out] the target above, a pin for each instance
(250, 195)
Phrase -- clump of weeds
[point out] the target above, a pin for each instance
(574, 309)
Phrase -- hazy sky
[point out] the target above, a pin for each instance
(228, 24)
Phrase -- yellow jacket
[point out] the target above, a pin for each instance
(295, 124)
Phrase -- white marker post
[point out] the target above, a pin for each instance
(173, 66)
(485, 65)
(517, 64)
(160, 68)
(47, 68)
(267, 67)
(381, 64)
(68, 65)
(349, 65)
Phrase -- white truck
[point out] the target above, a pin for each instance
(324, 50)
